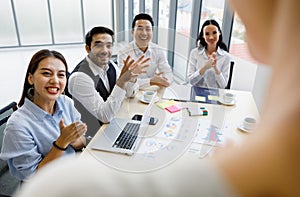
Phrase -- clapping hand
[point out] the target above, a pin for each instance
(213, 62)
(70, 134)
(132, 69)
(159, 80)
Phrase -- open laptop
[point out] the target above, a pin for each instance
(123, 135)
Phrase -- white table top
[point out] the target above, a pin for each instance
(161, 151)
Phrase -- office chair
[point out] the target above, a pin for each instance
(67, 93)
(8, 183)
(230, 75)
(114, 58)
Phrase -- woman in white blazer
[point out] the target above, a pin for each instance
(209, 63)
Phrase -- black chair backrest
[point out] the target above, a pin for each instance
(66, 88)
(6, 111)
(230, 75)
(9, 184)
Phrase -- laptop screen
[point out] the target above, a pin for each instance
(147, 113)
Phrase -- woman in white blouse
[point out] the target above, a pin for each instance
(209, 63)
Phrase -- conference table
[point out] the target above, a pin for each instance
(177, 135)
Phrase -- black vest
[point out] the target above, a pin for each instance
(92, 122)
(99, 85)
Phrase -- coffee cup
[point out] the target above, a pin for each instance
(249, 123)
(148, 95)
(228, 97)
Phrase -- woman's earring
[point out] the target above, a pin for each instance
(30, 93)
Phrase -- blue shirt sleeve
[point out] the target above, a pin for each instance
(29, 134)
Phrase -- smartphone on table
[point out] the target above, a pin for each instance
(139, 117)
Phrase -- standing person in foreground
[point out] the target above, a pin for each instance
(47, 125)
(97, 85)
(209, 63)
(142, 31)
(265, 164)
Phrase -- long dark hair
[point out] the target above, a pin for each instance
(201, 41)
(33, 65)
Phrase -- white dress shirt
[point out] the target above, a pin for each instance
(82, 87)
(158, 62)
(209, 79)
(191, 177)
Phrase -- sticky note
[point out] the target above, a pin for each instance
(200, 98)
(165, 104)
(213, 98)
(173, 108)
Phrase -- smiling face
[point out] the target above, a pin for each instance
(211, 35)
(101, 49)
(142, 33)
(49, 81)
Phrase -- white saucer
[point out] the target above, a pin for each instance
(241, 127)
(226, 103)
(144, 101)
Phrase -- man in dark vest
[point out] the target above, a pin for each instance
(97, 86)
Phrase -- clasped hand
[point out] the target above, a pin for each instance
(212, 60)
(212, 63)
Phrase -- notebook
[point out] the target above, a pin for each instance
(123, 135)
(177, 92)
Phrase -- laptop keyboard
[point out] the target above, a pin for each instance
(128, 136)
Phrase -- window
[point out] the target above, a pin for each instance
(212, 9)
(7, 30)
(238, 44)
(33, 23)
(97, 13)
(163, 23)
(136, 7)
(148, 7)
(67, 21)
(182, 37)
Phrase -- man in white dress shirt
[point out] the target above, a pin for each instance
(97, 85)
(159, 72)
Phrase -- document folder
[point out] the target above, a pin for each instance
(191, 93)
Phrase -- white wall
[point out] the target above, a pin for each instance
(261, 84)
(14, 63)
(251, 77)
(243, 74)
